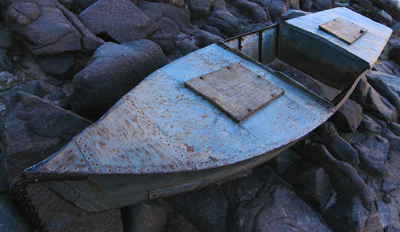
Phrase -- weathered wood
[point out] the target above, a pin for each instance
(235, 90)
(343, 29)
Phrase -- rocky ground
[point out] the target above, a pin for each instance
(64, 63)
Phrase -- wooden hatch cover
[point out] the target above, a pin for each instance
(343, 29)
(235, 90)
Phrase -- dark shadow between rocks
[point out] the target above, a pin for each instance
(106, 37)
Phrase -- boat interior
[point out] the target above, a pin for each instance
(263, 46)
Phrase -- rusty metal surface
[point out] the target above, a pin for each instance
(161, 126)
(343, 29)
(161, 138)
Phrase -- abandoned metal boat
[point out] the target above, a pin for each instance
(216, 112)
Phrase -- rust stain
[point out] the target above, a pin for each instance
(213, 158)
(94, 186)
(189, 148)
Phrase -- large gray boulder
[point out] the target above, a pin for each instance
(320, 5)
(266, 203)
(378, 106)
(224, 21)
(207, 208)
(32, 130)
(348, 117)
(113, 71)
(336, 145)
(311, 183)
(372, 149)
(156, 11)
(349, 215)
(251, 10)
(344, 178)
(384, 89)
(46, 27)
(275, 7)
(199, 8)
(122, 20)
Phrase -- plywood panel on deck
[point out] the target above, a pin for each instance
(235, 90)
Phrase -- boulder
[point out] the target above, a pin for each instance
(186, 46)
(389, 185)
(31, 87)
(5, 61)
(360, 93)
(319, 5)
(179, 223)
(46, 27)
(363, 3)
(383, 89)
(344, 178)
(113, 71)
(206, 208)
(376, 105)
(58, 98)
(348, 117)
(385, 67)
(150, 216)
(199, 8)
(8, 81)
(251, 10)
(167, 42)
(270, 205)
(33, 130)
(219, 5)
(275, 8)
(10, 218)
(369, 126)
(156, 10)
(336, 145)
(122, 20)
(383, 17)
(395, 128)
(291, 14)
(373, 151)
(305, 5)
(168, 26)
(394, 140)
(59, 215)
(225, 22)
(212, 30)
(57, 65)
(204, 38)
(283, 161)
(384, 213)
(311, 183)
(349, 215)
